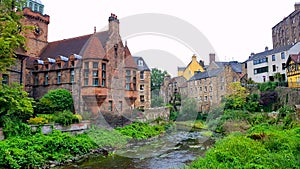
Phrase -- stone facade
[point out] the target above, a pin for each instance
(173, 89)
(287, 31)
(208, 88)
(97, 68)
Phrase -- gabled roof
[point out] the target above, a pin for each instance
(129, 61)
(181, 68)
(144, 67)
(207, 74)
(93, 48)
(293, 57)
(266, 53)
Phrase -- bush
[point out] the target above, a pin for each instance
(65, 118)
(37, 120)
(15, 104)
(140, 130)
(267, 99)
(55, 100)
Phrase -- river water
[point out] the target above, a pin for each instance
(173, 150)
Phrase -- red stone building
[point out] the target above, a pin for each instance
(97, 68)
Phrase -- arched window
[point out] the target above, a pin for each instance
(30, 5)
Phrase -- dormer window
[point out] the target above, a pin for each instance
(140, 63)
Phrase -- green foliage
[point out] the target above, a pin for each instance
(173, 115)
(15, 103)
(55, 100)
(36, 150)
(10, 36)
(237, 97)
(140, 130)
(65, 118)
(157, 101)
(37, 121)
(252, 103)
(263, 147)
(107, 138)
(157, 78)
(15, 127)
(267, 86)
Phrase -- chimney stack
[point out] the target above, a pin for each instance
(212, 57)
(297, 6)
(266, 48)
(113, 23)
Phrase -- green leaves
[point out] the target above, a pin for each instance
(15, 103)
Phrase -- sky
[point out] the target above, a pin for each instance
(233, 28)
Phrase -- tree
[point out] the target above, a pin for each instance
(10, 32)
(157, 78)
(237, 97)
(54, 101)
(15, 103)
(188, 109)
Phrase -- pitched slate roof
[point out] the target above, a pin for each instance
(207, 74)
(144, 67)
(269, 52)
(181, 68)
(236, 67)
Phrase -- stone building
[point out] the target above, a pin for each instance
(287, 31)
(143, 83)
(173, 89)
(97, 68)
(209, 87)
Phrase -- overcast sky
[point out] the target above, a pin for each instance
(234, 28)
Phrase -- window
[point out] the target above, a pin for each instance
(259, 61)
(200, 88)
(72, 74)
(72, 63)
(140, 63)
(86, 73)
(46, 78)
(205, 98)
(41, 9)
(142, 87)
(103, 83)
(210, 88)
(95, 78)
(222, 87)
(5, 79)
(58, 65)
(210, 97)
(205, 88)
(46, 66)
(128, 77)
(274, 68)
(283, 66)
(142, 98)
(58, 77)
(282, 55)
(273, 57)
(142, 75)
(35, 7)
(110, 105)
(95, 65)
(222, 79)
(134, 80)
(30, 5)
(36, 79)
(261, 70)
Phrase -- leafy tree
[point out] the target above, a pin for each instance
(10, 32)
(237, 97)
(15, 103)
(55, 100)
(157, 78)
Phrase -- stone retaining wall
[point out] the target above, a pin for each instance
(288, 96)
(154, 113)
(1, 134)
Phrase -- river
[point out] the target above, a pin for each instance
(173, 150)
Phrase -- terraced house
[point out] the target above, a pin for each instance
(97, 68)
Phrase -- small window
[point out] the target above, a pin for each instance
(142, 87)
(110, 105)
(103, 82)
(273, 58)
(59, 65)
(95, 65)
(72, 63)
(274, 68)
(72, 74)
(142, 75)
(58, 77)
(283, 66)
(282, 55)
(36, 79)
(142, 98)
(86, 65)
(140, 63)
(46, 79)
(46, 66)
(5, 79)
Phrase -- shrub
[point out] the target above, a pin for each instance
(37, 120)
(55, 100)
(65, 118)
(267, 99)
